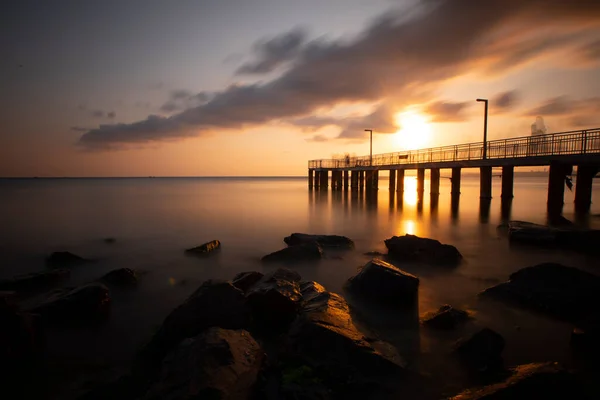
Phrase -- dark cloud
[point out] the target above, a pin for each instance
(390, 58)
(180, 100)
(181, 94)
(318, 139)
(79, 129)
(582, 113)
(591, 51)
(441, 111)
(97, 113)
(560, 105)
(111, 114)
(273, 52)
(505, 100)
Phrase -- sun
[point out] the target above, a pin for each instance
(415, 130)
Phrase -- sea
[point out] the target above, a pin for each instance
(153, 220)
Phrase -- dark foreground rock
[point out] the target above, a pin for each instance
(276, 298)
(245, 280)
(64, 259)
(83, 303)
(559, 291)
(382, 282)
(204, 249)
(323, 240)
(301, 252)
(217, 364)
(36, 280)
(585, 337)
(530, 381)
(417, 249)
(447, 317)
(482, 351)
(121, 277)
(566, 237)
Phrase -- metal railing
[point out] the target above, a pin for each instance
(562, 143)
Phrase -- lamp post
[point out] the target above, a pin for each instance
(485, 118)
(371, 147)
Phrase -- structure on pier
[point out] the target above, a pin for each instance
(560, 151)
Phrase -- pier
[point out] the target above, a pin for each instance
(559, 151)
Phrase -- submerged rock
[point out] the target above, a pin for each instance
(566, 236)
(530, 381)
(417, 249)
(302, 252)
(36, 280)
(323, 240)
(204, 249)
(86, 302)
(217, 364)
(385, 283)
(245, 280)
(121, 276)
(64, 258)
(483, 350)
(447, 317)
(563, 292)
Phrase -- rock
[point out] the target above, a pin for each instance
(36, 280)
(205, 249)
(585, 337)
(530, 381)
(373, 253)
(214, 303)
(245, 280)
(565, 236)
(87, 302)
(64, 258)
(325, 338)
(385, 283)
(562, 292)
(121, 276)
(217, 364)
(323, 240)
(447, 317)
(417, 249)
(483, 350)
(110, 240)
(302, 252)
(276, 298)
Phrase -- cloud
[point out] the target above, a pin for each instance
(79, 129)
(505, 100)
(591, 51)
(447, 111)
(182, 99)
(97, 113)
(579, 113)
(318, 139)
(111, 114)
(560, 105)
(388, 60)
(273, 52)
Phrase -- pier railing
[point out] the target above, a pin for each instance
(562, 143)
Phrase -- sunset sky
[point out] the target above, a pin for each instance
(259, 87)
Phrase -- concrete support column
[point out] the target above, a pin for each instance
(324, 178)
(420, 181)
(317, 178)
(369, 179)
(455, 181)
(434, 181)
(485, 182)
(508, 177)
(361, 180)
(354, 180)
(583, 187)
(392, 180)
(310, 178)
(346, 176)
(556, 187)
(400, 181)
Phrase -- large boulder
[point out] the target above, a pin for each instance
(482, 351)
(323, 240)
(446, 317)
(417, 249)
(276, 298)
(217, 364)
(530, 381)
(204, 249)
(563, 292)
(302, 252)
(64, 259)
(121, 277)
(36, 280)
(245, 280)
(568, 237)
(83, 303)
(382, 282)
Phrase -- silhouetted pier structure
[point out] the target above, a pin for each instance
(560, 151)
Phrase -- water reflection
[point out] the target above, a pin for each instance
(505, 209)
(454, 205)
(484, 210)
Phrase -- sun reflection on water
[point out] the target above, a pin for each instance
(410, 190)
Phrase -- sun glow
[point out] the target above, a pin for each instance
(415, 130)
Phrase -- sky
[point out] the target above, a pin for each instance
(259, 87)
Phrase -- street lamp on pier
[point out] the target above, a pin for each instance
(371, 147)
(485, 119)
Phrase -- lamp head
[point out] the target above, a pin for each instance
(484, 100)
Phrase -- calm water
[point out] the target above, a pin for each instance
(154, 220)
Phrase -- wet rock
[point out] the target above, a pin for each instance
(245, 280)
(311, 289)
(417, 249)
(373, 253)
(217, 364)
(382, 282)
(447, 317)
(530, 381)
(64, 258)
(585, 337)
(121, 277)
(323, 240)
(36, 280)
(204, 249)
(301, 252)
(83, 303)
(482, 351)
(276, 298)
(565, 236)
(562, 292)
